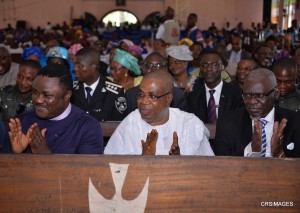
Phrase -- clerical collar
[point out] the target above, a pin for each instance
(63, 115)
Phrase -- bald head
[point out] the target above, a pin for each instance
(164, 79)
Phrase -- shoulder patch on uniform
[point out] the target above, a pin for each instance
(114, 88)
(121, 104)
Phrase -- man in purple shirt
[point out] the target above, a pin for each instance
(55, 126)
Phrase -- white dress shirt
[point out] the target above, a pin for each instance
(93, 87)
(235, 57)
(217, 95)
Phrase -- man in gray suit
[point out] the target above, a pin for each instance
(236, 54)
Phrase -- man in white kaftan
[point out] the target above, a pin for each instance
(192, 135)
(154, 113)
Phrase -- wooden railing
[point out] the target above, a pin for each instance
(88, 183)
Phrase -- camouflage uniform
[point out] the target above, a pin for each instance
(292, 101)
(11, 104)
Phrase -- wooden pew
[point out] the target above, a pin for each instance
(109, 127)
(83, 183)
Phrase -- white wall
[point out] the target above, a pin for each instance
(39, 12)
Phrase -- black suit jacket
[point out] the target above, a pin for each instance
(231, 98)
(179, 99)
(234, 132)
(107, 104)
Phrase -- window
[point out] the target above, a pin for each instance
(117, 17)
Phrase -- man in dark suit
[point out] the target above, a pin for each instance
(276, 131)
(156, 62)
(95, 94)
(226, 97)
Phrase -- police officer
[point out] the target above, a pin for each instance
(93, 93)
(17, 99)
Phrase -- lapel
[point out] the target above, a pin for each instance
(278, 114)
(80, 94)
(201, 99)
(223, 97)
(100, 92)
(246, 129)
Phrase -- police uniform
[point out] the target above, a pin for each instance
(11, 104)
(107, 102)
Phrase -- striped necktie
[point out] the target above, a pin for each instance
(263, 138)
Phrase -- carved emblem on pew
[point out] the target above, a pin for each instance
(97, 203)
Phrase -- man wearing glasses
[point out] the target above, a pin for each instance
(155, 128)
(259, 129)
(155, 62)
(213, 97)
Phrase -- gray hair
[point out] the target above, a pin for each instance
(262, 74)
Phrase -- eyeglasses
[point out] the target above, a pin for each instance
(150, 97)
(213, 65)
(256, 96)
(153, 66)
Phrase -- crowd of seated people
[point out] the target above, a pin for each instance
(244, 82)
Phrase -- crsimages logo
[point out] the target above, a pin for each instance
(277, 204)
